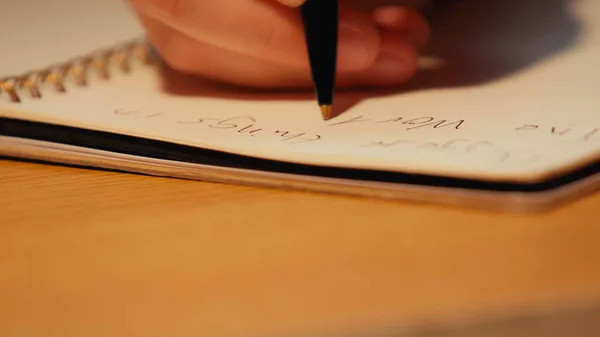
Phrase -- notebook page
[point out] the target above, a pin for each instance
(528, 124)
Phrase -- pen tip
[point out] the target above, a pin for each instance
(326, 111)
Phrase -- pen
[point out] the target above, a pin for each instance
(320, 18)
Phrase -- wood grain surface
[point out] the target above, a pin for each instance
(92, 253)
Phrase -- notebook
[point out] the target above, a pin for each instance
(504, 113)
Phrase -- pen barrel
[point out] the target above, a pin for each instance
(321, 18)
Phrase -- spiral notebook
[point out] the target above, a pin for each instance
(503, 116)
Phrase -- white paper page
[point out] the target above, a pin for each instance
(40, 33)
(523, 124)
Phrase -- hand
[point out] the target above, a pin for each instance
(260, 43)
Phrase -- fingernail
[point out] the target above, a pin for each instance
(394, 66)
(358, 45)
(391, 17)
(292, 3)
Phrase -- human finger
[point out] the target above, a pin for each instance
(395, 63)
(263, 29)
(292, 3)
(410, 23)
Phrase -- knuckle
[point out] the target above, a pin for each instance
(270, 39)
(173, 7)
(262, 35)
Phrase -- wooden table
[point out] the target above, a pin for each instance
(91, 253)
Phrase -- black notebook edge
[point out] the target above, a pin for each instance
(148, 148)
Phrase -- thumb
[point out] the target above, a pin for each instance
(292, 3)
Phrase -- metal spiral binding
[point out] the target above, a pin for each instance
(78, 69)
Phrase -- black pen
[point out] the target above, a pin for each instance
(320, 19)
